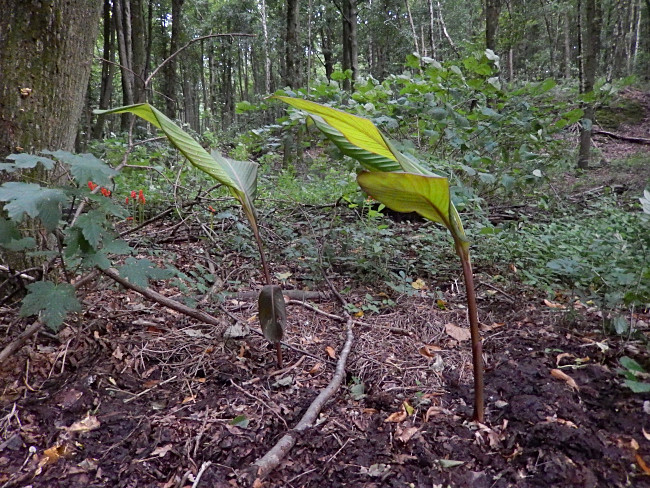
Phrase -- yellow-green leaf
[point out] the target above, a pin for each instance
(359, 131)
(408, 192)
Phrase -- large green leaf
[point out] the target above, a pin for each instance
(359, 131)
(407, 192)
(238, 176)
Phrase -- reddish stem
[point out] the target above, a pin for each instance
(477, 345)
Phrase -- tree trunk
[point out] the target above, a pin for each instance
(491, 23)
(106, 87)
(267, 55)
(45, 58)
(291, 72)
(432, 38)
(415, 36)
(349, 13)
(169, 85)
(590, 49)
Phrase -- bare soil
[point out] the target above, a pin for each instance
(135, 395)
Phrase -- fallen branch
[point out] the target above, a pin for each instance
(19, 341)
(291, 294)
(163, 300)
(272, 459)
(636, 140)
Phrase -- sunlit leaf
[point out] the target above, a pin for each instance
(359, 131)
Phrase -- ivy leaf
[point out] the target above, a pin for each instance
(86, 167)
(33, 200)
(140, 271)
(53, 302)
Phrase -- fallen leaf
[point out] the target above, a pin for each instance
(646, 435)
(358, 314)
(561, 375)
(495, 325)
(316, 369)
(330, 352)
(449, 463)
(458, 333)
(258, 483)
(161, 451)
(406, 434)
(419, 284)
(369, 411)
(54, 453)
(188, 399)
(553, 305)
(429, 350)
(560, 357)
(85, 425)
(408, 408)
(118, 354)
(634, 445)
(396, 417)
(642, 464)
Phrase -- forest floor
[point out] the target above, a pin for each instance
(133, 394)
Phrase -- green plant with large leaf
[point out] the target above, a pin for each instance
(403, 184)
(240, 177)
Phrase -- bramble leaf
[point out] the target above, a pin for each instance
(140, 271)
(86, 167)
(53, 302)
(34, 200)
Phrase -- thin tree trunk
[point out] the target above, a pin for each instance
(432, 39)
(170, 68)
(567, 47)
(106, 87)
(444, 29)
(590, 47)
(491, 23)
(291, 75)
(551, 40)
(415, 36)
(267, 56)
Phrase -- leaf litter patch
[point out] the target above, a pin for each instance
(135, 395)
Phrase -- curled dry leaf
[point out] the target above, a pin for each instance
(396, 417)
(458, 333)
(330, 352)
(84, 425)
(161, 451)
(54, 453)
(316, 369)
(553, 305)
(561, 375)
(429, 350)
(405, 435)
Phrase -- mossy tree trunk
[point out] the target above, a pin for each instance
(46, 52)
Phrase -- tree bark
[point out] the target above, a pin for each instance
(349, 14)
(590, 49)
(491, 23)
(291, 72)
(169, 86)
(106, 87)
(45, 58)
